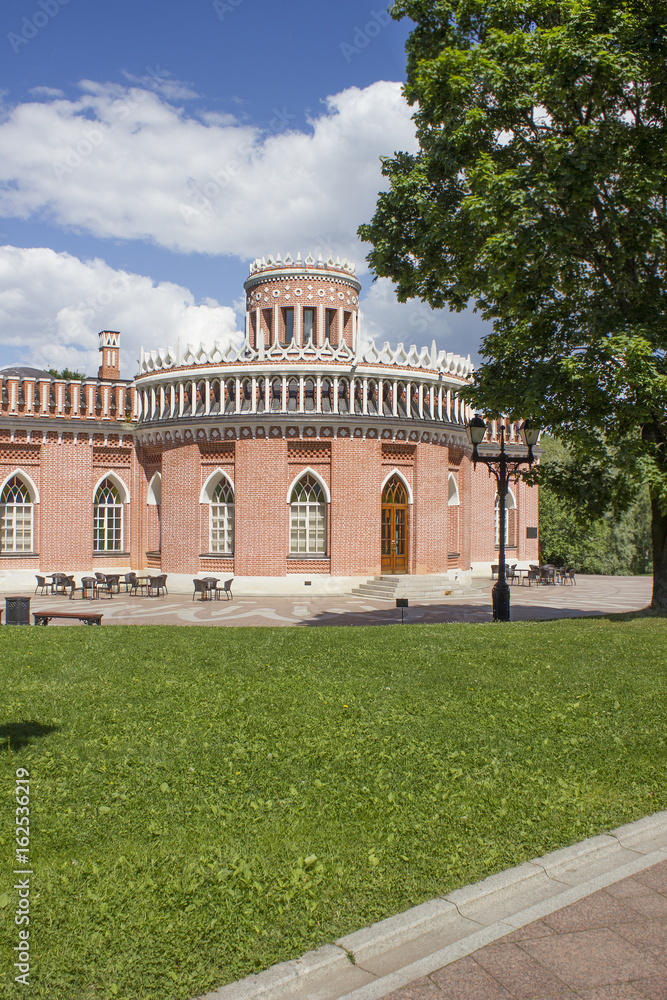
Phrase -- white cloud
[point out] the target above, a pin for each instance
(47, 92)
(162, 82)
(121, 162)
(53, 305)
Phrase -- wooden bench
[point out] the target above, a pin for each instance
(88, 618)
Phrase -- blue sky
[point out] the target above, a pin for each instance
(149, 151)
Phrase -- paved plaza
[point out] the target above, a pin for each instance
(593, 595)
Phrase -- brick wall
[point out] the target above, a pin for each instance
(430, 509)
(181, 486)
(262, 523)
(356, 480)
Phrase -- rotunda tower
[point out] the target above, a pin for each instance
(299, 303)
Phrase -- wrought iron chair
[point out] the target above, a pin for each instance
(226, 589)
(59, 584)
(88, 589)
(157, 584)
(138, 586)
(128, 581)
(201, 587)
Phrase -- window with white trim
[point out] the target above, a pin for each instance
(108, 518)
(308, 518)
(222, 518)
(15, 517)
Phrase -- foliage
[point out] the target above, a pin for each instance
(206, 802)
(608, 545)
(66, 374)
(540, 191)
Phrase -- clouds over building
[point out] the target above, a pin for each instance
(124, 162)
(128, 162)
(53, 305)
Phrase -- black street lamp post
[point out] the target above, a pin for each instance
(505, 468)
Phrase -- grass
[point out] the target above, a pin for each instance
(206, 802)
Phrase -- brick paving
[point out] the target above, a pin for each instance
(593, 595)
(611, 945)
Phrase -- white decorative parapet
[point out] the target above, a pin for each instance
(219, 354)
(273, 261)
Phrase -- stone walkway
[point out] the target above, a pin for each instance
(609, 946)
(593, 595)
(588, 921)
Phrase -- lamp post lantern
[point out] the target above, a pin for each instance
(505, 468)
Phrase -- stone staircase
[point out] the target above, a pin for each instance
(428, 588)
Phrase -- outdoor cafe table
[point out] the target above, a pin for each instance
(59, 582)
(548, 573)
(211, 582)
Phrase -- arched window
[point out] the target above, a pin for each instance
(15, 517)
(453, 491)
(510, 521)
(154, 499)
(307, 518)
(453, 516)
(222, 518)
(108, 518)
(394, 491)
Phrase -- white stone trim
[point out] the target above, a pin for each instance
(115, 478)
(32, 489)
(397, 472)
(151, 500)
(316, 476)
(453, 499)
(205, 495)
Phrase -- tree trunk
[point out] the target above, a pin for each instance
(659, 537)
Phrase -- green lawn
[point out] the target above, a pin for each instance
(206, 802)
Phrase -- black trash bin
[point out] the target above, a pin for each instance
(17, 610)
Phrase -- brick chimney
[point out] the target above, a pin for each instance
(109, 369)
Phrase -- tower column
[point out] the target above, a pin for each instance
(109, 347)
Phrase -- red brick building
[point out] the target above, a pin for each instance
(303, 454)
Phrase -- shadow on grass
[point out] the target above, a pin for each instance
(16, 735)
(628, 616)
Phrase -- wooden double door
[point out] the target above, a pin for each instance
(394, 527)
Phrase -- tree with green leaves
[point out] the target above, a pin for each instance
(66, 374)
(616, 546)
(539, 192)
